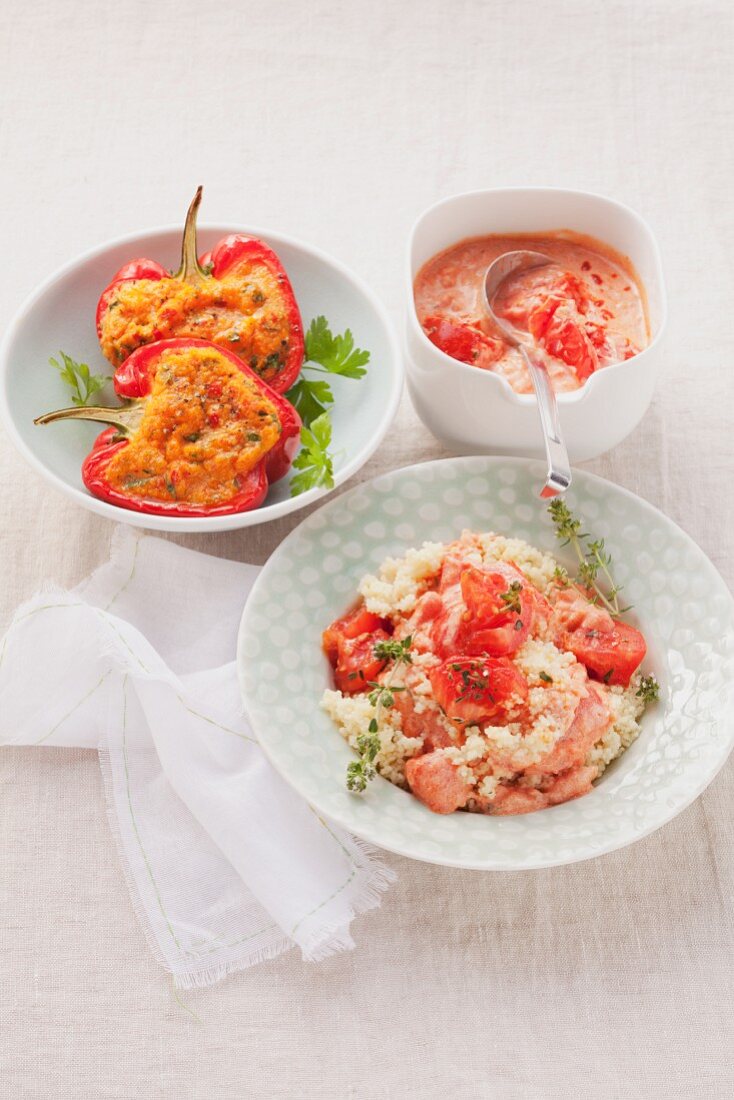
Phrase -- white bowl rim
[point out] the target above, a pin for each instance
(196, 524)
(346, 823)
(571, 397)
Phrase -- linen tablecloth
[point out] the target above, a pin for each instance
(339, 123)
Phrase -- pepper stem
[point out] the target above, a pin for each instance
(191, 270)
(125, 418)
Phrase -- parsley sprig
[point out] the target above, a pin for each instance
(360, 772)
(82, 383)
(314, 461)
(593, 558)
(326, 354)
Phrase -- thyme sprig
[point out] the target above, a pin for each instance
(361, 772)
(393, 650)
(594, 560)
(648, 690)
(511, 598)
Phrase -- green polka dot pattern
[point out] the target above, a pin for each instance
(679, 599)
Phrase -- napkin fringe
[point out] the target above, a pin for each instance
(193, 977)
(323, 932)
(197, 978)
(331, 939)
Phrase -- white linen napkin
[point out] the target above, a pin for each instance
(226, 865)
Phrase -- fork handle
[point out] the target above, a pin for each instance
(559, 469)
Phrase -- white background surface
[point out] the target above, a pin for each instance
(339, 123)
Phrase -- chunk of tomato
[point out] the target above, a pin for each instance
(609, 655)
(500, 611)
(495, 595)
(477, 689)
(530, 298)
(356, 662)
(355, 622)
(462, 342)
(540, 317)
(566, 340)
(349, 644)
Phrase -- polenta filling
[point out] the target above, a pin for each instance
(204, 428)
(244, 312)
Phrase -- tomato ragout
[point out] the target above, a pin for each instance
(479, 677)
(585, 311)
(203, 428)
(248, 317)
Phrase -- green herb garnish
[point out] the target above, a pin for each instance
(313, 460)
(392, 650)
(360, 772)
(334, 354)
(512, 597)
(593, 558)
(78, 378)
(325, 354)
(545, 677)
(311, 397)
(475, 681)
(649, 689)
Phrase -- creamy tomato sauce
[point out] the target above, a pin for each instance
(204, 427)
(244, 311)
(586, 311)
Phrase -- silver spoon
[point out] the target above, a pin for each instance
(509, 263)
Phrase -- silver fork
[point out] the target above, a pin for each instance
(510, 263)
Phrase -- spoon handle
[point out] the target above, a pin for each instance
(559, 469)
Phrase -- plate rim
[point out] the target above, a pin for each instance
(204, 524)
(667, 815)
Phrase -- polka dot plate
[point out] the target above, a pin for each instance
(679, 600)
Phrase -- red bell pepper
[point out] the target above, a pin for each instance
(144, 303)
(205, 398)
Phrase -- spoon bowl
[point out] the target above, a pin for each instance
(558, 477)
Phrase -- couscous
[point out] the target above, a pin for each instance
(480, 677)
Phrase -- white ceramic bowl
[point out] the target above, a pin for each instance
(477, 412)
(60, 314)
(680, 601)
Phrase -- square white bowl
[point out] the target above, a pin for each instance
(477, 412)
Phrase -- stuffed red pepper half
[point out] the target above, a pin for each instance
(237, 295)
(200, 433)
